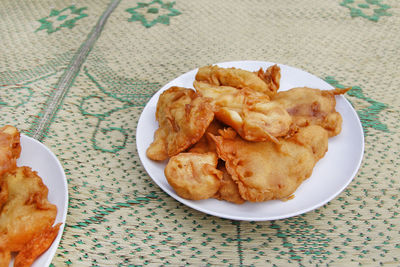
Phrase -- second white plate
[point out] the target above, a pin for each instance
(36, 155)
(331, 175)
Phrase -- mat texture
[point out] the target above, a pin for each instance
(77, 76)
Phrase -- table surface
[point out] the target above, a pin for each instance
(77, 76)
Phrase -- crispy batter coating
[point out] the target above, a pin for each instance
(36, 246)
(194, 175)
(309, 106)
(206, 144)
(3, 192)
(27, 210)
(183, 117)
(249, 112)
(265, 170)
(228, 190)
(5, 258)
(266, 83)
(272, 77)
(10, 148)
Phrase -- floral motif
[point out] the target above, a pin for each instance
(111, 99)
(152, 13)
(369, 9)
(15, 96)
(58, 19)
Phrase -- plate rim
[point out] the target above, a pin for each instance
(192, 205)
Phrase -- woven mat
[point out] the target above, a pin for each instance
(77, 76)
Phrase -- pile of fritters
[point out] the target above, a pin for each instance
(26, 216)
(236, 138)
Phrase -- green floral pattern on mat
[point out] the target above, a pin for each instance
(37, 72)
(118, 94)
(15, 96)
(368, 115)
(152, 13)
(102, 211)
(14, 85)
(368, 9)
(64, 18)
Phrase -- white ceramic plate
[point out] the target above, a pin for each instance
(37, 156)
(330, 176)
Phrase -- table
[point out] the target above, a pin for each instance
(77, 76)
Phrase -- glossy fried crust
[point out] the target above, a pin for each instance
(266, 83)
(26, 216)
(10, 148)
(206, 144)
(183, 117)
(5, 258)
(265, 170)
(228, 190)
(36, 246)
(27, 211)
(308, 106)
(249, 112)
(194, 175)
(272, 77)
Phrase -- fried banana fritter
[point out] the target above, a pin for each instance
(5, 258)
(265, 170)
(228, 190)
(308, 106)
(26, 216)
(272, 77)
(183, 117)
(266, 83)
(26, 212)
(10, 148)
(36, 246)
(249, 112)
(194, 175)
(206, 144)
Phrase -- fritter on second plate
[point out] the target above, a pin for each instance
(10, 148)
(26, 214)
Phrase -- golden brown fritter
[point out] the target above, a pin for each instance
(228, 190)
(308, 106)
(194, 175)
(206, 144)
(36, 246)
(10, 148)
(27, 211)
(26, 216)
(265, 170)
(266, 83)
(183, 117)
(5, 258)
(272, 77)
(249, 112)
